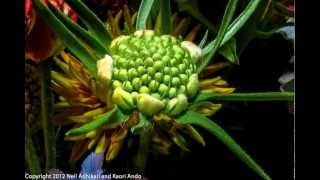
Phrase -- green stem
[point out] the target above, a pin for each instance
(30, 154)
(140, 160)
(260, 96)
(46, 115)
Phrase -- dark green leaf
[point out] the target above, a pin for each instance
(143, 14)
(68, 38)
(141, 157)
(165, 17)
(30, 152)
(229, 51)
(202, 121)
(46, 100)
(94, 24)
(203, 40)
(236, 25)
(227, 17)
(260, 96)
(81, 33)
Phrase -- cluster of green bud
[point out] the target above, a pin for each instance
(148, 66)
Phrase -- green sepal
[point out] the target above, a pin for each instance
(141, 126)
(206, 123)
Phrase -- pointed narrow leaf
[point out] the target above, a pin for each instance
(143, 14)
(202, 121)
(68, 38)
(140, 159)
(93, 43)
(46, 101)
(229, 51)
(260, 96)
(98, 122)
(165, 17)
(240, 20)
(203, 40)
(94, 24)
(30, 152)
(227, 17)
(236, 24)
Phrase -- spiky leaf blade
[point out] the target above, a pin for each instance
(202, 121)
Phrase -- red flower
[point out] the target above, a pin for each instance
(41, 42)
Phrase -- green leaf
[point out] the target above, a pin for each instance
(165, 17)
(202, 121)
(240, 20)
(235, 26)
(94, 124)
(68, 38)
(229, 51)
(140, 159)
(30, 152)
(203, 40)
(81, 33)
(46, 100)
(94, 24)
(260, 96)
(191, 7)
(227, 17)
(143, 14)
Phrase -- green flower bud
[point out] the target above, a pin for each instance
(175, 81)
(141, 70)
(149, 61)
(182, 68)
(174, 62)
(184, 78)
(172, 92)
(158, 76)
(132, 73)
(136, 83)
(182, 89)
(149, 105)
(145, 79)
(166, 70)
(159, 65)
(153, 85)
(151, 71)
(116, 84)
(174, 71)
(163, 89)
(193, 85)
(120, 39)
(123, 99)
(127, 86)
(144, 89)
(156, 56)
(123, 75)
(166, 79)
